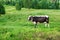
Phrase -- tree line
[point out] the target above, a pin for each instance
(34, 4)
(37, 4)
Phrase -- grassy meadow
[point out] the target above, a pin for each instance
(14, 25)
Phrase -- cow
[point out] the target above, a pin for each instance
(39, 19)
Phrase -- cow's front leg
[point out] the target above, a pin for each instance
(46, 24)
(35, 24)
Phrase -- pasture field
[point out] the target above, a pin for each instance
(14, 25)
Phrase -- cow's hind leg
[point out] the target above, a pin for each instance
(35, 24)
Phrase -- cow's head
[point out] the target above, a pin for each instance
(30, 18)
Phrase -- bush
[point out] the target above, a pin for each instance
(18, 5)
(2, 9)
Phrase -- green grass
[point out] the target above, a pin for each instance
(14, 25)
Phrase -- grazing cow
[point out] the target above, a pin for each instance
(40, 19)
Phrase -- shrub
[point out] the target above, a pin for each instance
(18, 5)
(2, 9)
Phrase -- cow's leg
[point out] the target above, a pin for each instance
(45, 24)
(35, 24)
(48, 24)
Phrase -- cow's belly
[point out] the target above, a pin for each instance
(41, 21)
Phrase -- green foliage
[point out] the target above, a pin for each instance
(27, 3)
(7, 2)
(37, 4)
(18, 5)
(57, 4)
(2, 9)
(44, 4)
